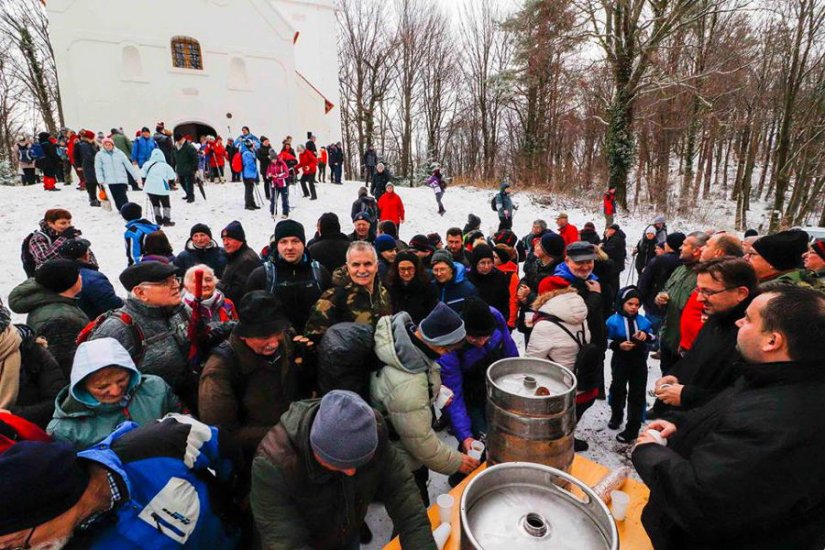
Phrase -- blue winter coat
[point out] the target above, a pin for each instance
(135, 235)
(471, 360)
(456, 290)
(617, 328)
(141, 149)
(98, 295)
(166, 503)
(250, 167)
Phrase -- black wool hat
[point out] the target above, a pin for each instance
(74, 249)
(783, 250)
(434, 239)
(442, 327)
(328, 224)
(675, 241)
(234, 230)
(407, 256)
(57, 275)
(261, 315)
(751, 233)
(288, 228)
(480, 252)
(421, 243)
(507, 237)
(131, 211)
(626, 294)
(146, 272)
(478, 319)
(200, 228)
(501, 250)
(552, 244)
(38, 482)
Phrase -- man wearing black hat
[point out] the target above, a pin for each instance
(50, 300)
(421, 246)
(97, 295)
(329, 247)
(144, 487)
(153, 326)
(249, 380)
(290, 274)
(186, 164)
(325, 452)
(201, 248)
(493, 285)
(778, 258)
(241, 261)
(362, 224)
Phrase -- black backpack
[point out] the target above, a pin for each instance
(272, 281)
(26, 257)
(493, 203)
(589, 359)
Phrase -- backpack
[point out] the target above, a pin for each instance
(126, 319)
(24, 154)
(493, 203)
(29, 265)
(237, 163)
(272, 276)
(588, 359)
(370, 208)
(37, 151)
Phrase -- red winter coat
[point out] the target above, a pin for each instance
(390, 207)
(512, 270)
(70, 148)
(218, 157)
(307, 162)
(569, 233)
(691, 322)
(609, 203)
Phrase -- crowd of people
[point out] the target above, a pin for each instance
(241, 397)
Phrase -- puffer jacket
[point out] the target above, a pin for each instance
(82, 420)
(403, 391)
(142, 149)
(113, 167)
(157, 174)
(391, 207)
(135, 236)
(250, 167)
(85, 154)
(549, 341)
(456, 290)
(98, 295)
(464, 371)
(297, 503)
(54, 317)
(511, 270)
(212, 255)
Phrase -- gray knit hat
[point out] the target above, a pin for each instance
(344, 433)
(442, 327)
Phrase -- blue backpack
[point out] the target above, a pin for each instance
(36, 151)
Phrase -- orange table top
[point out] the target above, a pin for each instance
(632, 535)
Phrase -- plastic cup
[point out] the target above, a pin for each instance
(441, 534)
(657, 435)
(476, 450)
(619, 501)
(445, 507)
(444, 396)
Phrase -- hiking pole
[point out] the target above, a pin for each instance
(150, 212)
(258, 197)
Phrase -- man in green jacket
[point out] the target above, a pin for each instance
(317, 471)
(778, 258)
(186, 164)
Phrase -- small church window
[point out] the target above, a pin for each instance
(186, 53)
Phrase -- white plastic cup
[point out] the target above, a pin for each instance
(444, 396)
(476, 450)
(657, 436)
(445, 507)
(442, 534)
(619, 500)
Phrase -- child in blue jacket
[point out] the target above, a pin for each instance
(137, 228)
(629, 335)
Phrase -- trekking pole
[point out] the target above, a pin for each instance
(150, 212)
(258, 196)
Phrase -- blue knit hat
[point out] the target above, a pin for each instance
(442, 327)
(384, 243)
(344, 432)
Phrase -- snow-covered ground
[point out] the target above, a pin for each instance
(24, 207)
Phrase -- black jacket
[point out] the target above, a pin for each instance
(296, 287)
(50, 161)
(213, 255)
(379, 183)
(166, 146)
(241, 264)
(346, 358)
(616, 248)
(645, 251)
(85, 155)
(590, 236)
(745, 470)
(330, 250)
(653, 279)
(263, 158)
(41, 379)
(417, 298)
(493, 288)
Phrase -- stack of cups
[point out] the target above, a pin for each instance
(476, 450)
(445, 515)
(619, 500)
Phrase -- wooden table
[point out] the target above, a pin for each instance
(632, 535)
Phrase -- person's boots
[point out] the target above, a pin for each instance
(159, 217)
(629, 434)
(167, 218)
(615, 420)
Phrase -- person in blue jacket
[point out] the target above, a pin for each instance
(137, 228)
(249, 174)
(630, 335)
(464, 371)
(141, 487)
(142, 147)
(449, 277)
(98, 295)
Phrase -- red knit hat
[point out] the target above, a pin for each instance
(819, 247)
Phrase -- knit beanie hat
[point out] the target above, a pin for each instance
(407, 256)
(234, 231)
(288, 228)
(480, 252)
(504, 252)
(626, 294)
(783, 250)
(675, 241)
(659, 219)
(505, 236)
(260, 315)
(421, 243)
(344, 432)
(74, 249)
(38, 482)
(552, 244)
(328, 224)
(57, 275)
(443, 256)
(751, 233)
(473, 222)
(200, 228)
(434, 239)
(478, 319)
(819, 248)
(131, 211)
(383, 243)
(442, 327)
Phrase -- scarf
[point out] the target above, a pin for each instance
(9, 366)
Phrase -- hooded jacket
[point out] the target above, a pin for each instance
(113, 167)
(297, 503)
(82, 420)
(403, 391)
(212, 255)
(457, 289)
(391, 207)
(548, 341)
(504, 204)
(135, 234)
(157, 174)
(511, 270)
(646, 249)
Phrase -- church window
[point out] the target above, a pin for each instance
(186, 53)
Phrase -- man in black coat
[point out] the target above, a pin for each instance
(290, 274)
(725, 287)
(262, 154)
(615, 246)
(745, 470)
(329, 248)
(241, 262)
(655, 275)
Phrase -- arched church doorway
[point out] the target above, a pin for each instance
(195, 130)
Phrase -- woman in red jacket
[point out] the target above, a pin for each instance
(308, 164)
(217, 160)
(390, 206)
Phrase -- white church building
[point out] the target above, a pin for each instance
(200, 66)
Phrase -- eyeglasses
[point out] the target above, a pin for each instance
(707, 293)
(171, 282)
